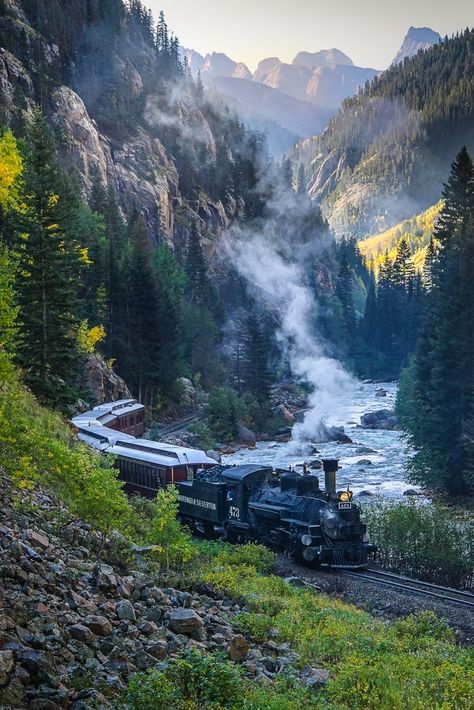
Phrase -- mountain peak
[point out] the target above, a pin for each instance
(219, 64)
(323, 58)
(415, 39)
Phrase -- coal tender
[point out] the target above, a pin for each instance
(285, 510)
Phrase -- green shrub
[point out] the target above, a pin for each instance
(193, 682)
(422, 540)
(202, 436)
(171, 541)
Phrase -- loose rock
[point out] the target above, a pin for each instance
(184, 621)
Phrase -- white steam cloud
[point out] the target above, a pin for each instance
(282, 284)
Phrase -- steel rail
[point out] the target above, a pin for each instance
(415, 586)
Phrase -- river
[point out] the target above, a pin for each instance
(384, 475)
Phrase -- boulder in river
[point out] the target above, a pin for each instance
(332, 433)
(365, 450)
(381, 419)
(245, 436)
(363, 494)
(411, 492)
(381, 392)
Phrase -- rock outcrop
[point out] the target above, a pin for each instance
(103, 383)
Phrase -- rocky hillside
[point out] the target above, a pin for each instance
(386, 154)
(74, 629)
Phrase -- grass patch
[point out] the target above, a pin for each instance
(413, 663)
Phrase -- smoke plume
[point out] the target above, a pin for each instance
(282, 284)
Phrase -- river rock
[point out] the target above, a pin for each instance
(245, 436)
(411, 492)
(332, 433)
(381, 419)
(214, 455)
(381, 392)
(365, 450)
(184, 621)
(315, 464)
(363, 494)
(364, 462)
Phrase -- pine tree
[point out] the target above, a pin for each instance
(344, 293)
(145, 336)
(199, 289)
(369, 321)
(438, 413)
(48, 276)
(256, 376)
(301, 180)
(457, 195)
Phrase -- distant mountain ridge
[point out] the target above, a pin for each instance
(301, 96)
(295, 99)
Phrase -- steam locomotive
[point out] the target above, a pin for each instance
(284, 510)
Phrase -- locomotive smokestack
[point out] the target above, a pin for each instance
(330, 468)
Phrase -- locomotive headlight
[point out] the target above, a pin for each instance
(345, 496)
(306, 540)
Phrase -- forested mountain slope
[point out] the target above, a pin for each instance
(135, 174)
(417, 232)
(385, 155)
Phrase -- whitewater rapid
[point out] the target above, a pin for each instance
(384, 475)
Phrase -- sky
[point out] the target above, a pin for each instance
(369, 31)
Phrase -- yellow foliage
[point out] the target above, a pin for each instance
(417, 231)
(89, 337)
(11, 167)
(84, 256)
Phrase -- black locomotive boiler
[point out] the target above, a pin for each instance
(284, 510)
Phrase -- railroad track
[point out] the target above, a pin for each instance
(178, 426)
(414, 586)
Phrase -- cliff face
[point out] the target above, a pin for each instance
(36, 72)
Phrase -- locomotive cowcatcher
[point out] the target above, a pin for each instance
(284, 510)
